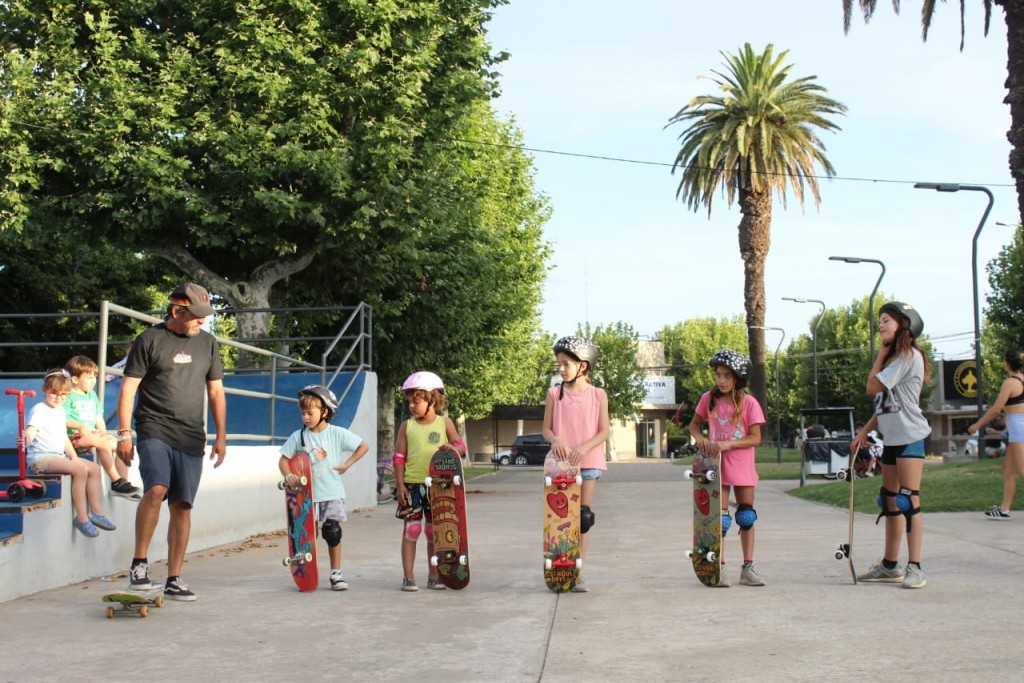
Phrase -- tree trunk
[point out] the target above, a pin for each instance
(755, 238)
(1014, 10)
(385, 421)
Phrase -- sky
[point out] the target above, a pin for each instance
(602, 78)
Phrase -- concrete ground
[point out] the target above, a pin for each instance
(645, 619)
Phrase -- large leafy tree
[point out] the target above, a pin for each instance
(1014, 13)
(1004, 314)
(618, 369)
(754, 137)
(689, 346)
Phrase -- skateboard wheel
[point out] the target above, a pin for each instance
(579, 480)
(547, 482)
(281, 485)
(433, 560)
(711, 475)
(308, 557)
(159, 601)
(688, 554)
(463, 560)
(688, 474)
(841, 474)
(428, 481)
(110, 613)
(547, 563)
(287, 561)
(840, 555)
(579, 563)
(457, 480)
(303, 481)
(711, 556)
(143, 611)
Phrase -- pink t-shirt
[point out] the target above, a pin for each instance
(738, 467)
(575, 420)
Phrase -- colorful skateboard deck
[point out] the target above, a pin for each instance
(137, 602)
(846, 549)
(447, 492)
(562, 538)
(706, 553)
(301, 524)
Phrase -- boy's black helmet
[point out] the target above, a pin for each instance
(580, 348)
(907, 312)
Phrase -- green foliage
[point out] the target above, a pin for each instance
(1005, 310)
(689, 346)
(618, 370)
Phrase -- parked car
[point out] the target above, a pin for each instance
(529, 449)
(502, 457)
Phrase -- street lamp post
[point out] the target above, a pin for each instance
(814, 337)
(871, 299)
(954, 187)
(778, 413)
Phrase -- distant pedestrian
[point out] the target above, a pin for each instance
(1010, 400)
(899, 371)
(576, 424)
(734, 420)
(170, 367)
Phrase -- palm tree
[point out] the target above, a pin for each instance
(756, 136)
(1014, 12)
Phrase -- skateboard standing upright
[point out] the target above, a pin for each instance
(706, 553)
(846, 549)
(301, 523)
(15, 490)
(562, 538)
(138, 602)
(447, 493)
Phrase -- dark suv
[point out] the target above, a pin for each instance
(529, 449)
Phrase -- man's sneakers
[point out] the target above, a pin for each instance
(338, 582)
(138, 577)
(996, 513)
(123, 488)
(880, 574)
(176, 589)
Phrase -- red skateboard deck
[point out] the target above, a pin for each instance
(447, 493)
(562, 538)
(706, 552)
(301, 524)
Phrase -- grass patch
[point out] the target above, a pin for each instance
(967, 486)
(473, 471)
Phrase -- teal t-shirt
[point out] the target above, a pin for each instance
(327, 450)
(83, 407)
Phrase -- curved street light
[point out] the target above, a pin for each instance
(814, 337)
(871, 299)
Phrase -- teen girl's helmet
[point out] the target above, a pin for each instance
(427, 381)
(580, 348)
(734, 360)
(324, 394)
(907, 312)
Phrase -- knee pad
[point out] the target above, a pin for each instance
(412, 530)
(331, 531)
(726, 522)
(904, 506)
(746, 515)
(587, 518)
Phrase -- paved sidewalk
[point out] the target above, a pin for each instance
(646, 618)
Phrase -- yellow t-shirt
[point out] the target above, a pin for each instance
(422, 440)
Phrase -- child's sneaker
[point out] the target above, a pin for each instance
(409, 585)
(338, 582)
(434, 584)
(176, 589)
(996, 513)
(87, 528)
(124, 489)
(580, 587)
(914, 577)
(101, 522)
(879, 574)
(750, 577)
(138, 577)
(723, 580)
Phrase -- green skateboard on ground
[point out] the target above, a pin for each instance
(133, 602)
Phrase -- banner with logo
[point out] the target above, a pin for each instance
(959, 381)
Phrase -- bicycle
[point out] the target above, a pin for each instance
(387, 491)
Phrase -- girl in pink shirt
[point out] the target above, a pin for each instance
(576, 424)
(734, 420)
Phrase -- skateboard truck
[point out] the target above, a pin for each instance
(708, 555)
(562, 562)
(298, 558)
(562, 481)
(709, 475)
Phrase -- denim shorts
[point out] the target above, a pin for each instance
(910, 450)
(160, 464)
(591, 473)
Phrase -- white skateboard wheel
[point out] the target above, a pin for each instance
(457, 480)
(303, 481)
(688, 474)
(427, 481)
(710, 475)
(841, 474)
(579, 480)
(463, 560)
(547, 563)
(281, 485)
(287, 561)
(433, 560)
(308, 557)
(688, 554)
(579, 564)
(840, 555)
(711, 556)
(547, 481)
